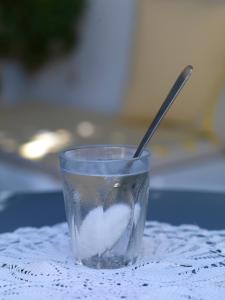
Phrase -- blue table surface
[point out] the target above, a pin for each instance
(175, 207)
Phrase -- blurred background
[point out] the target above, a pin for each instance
(94, 71)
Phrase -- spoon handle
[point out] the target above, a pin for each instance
(173, 93)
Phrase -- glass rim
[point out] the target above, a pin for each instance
(145, 154)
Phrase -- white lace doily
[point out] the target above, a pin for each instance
(183, 262)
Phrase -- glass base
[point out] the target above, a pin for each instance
(115, 262)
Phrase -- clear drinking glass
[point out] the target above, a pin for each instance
(106, 193)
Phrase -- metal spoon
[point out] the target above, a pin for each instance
(173, 93)
(115, 194)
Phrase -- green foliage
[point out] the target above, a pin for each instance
(32, 31)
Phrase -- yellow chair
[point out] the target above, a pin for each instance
(169, 35)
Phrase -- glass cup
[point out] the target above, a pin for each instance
(106, 193)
